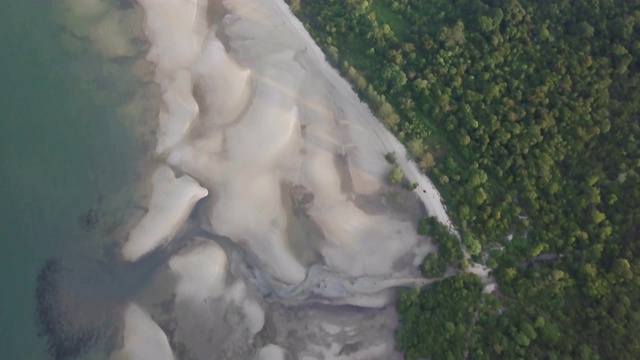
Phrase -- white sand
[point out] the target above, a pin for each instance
(271, 352)
(176, 29)
(249, 210)
(224, 82)
(262, 134)
(201, 270)
(179, 112)
(274, 115)
(171, 203)
(143, 338)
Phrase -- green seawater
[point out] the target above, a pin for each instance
(62, 149)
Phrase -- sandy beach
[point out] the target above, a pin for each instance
(270, 114)
(271, 155)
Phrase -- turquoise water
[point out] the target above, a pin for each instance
(60, 152)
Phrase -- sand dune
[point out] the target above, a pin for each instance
(171, 203)
(224, 83)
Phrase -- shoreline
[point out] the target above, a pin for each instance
(271, 112)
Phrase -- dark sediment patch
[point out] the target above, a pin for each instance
(341, 162)
(80, 302)
(303, 234)
(73, 324)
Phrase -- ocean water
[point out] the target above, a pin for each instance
(63, 149)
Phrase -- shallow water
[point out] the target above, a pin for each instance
(63, 150)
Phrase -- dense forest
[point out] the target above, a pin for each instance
(525, 115)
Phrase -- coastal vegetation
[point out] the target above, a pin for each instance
(525, 115)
